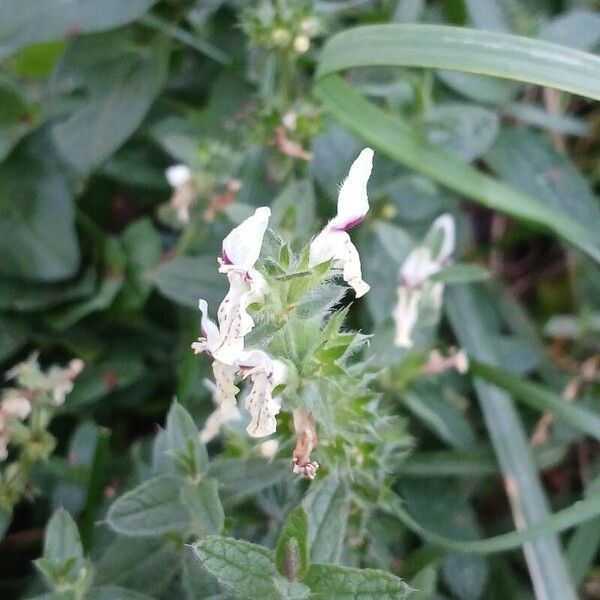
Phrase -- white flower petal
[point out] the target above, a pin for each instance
(234, 321)
(178, 175)
(337, 246)
(417, 267)
(443, 225)
(405, 315)
(225, 388)
(224, 392)
(241, 247)
(210, 336)
(15, 406)
(353, 202)
(262, 407)
(266, 375)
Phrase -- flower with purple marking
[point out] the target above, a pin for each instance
(334, 243)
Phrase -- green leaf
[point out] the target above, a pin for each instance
(425, 583)
(142, 564)
(61, 541)
(37, 217)
(528, 500)
(121, 84)
(329, 582)
(429, 404)
(291, 554)
(45, 20)
(152, 508)
(203, 503)
(187, 278)
(530, 163)
(466, 575)
(540, 398)
(577, 28)
(187, 452)
(245, 568)
(462, 273)
(327, 504)
(102, 299)
(241, 479)
(461, 49)
(113, 592)
(465, 130)
(142, 246)
(196, 581)
(17, 118)
(394, 138)
(62, 561)
(22, 296)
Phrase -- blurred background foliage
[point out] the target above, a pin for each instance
(97, 99)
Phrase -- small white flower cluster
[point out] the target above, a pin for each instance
(14, 405)
(415, 288)
(225, 341)
(34, 386)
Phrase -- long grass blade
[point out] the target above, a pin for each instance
(547, 566)
(460, 49)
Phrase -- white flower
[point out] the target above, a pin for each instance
(224, 392)
(224, 389)
(180, 179)
(241, 249)
(414, 286)
(178, 175)
(13, 406)
(334, 243)
(266, 374)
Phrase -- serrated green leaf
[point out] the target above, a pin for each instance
(291, 554)
(245, 568)
(152, 508)
(330, 582)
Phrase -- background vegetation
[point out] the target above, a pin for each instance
(268, 103)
